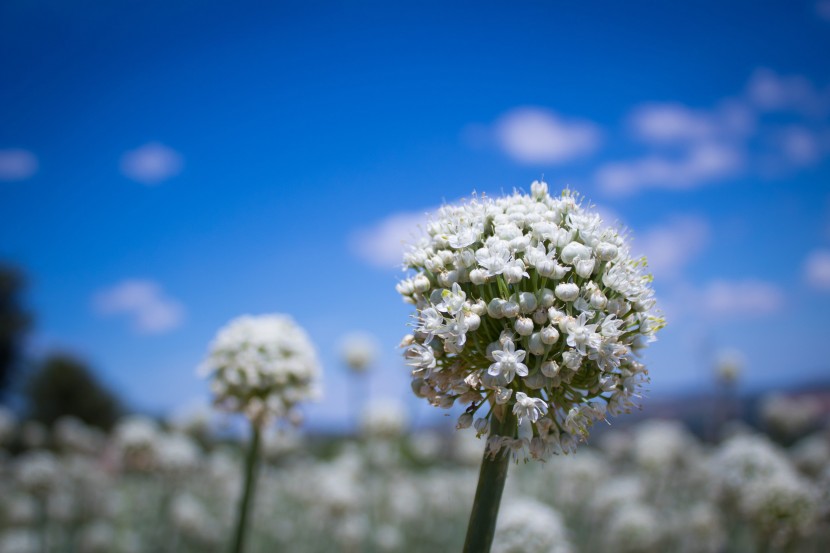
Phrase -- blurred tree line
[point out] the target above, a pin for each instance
(52, 387)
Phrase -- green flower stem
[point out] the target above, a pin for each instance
(491, 479)
(251, 463)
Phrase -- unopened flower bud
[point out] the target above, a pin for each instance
(546, 297)
(598, 299)
(549, 335)
(573, 250)
(421, 283)
(510, 309)
(479, 307)
(527, 302)
(584, 267)
(523, 326)
(535, 344)
(550, 369)
(567, 291)
(495, 308)
(464, 421)
(606, 251)
(478, 277)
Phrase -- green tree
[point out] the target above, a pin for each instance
(14, 323)
(64, 385)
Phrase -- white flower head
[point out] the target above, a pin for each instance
(359, 351)
(530, 306)
(262, 366)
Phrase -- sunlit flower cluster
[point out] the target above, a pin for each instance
(528, 304)
(262, 366)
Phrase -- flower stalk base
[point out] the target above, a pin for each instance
(491, 479)
(251, 463)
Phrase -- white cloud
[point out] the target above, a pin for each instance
(151, 164)
(17, 164)
(750, 297)
(674, 123)
(150, 311)
(670, 247)
(670, 123)
(701, 164)
(534, 135)
(800, 146)
(384, 243)
(690, 147)
(817, 269)
(769, 91)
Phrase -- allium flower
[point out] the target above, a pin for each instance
(385, 418)
(37, 471)
(192, 519)
(790, 418)
(262, 366)
(633, 528)
(136, 441)
(664, 446)
(359, 351)
(528, 303)
(177, 454)
(754, 475)
(528, 526)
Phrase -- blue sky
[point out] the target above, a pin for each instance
(166, 166)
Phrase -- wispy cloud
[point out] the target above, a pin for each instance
(674, 123)
(152, 163)
(817, 269)
(672, 246)
(769, 91)
(17, 164)
(384, 243)
(143, 302)
(538, 136)
(799, 146)
(743, 298)
(692, 147)
(701, 164)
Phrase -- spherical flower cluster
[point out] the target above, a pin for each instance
(384, 418)
(359, 351)
(790, 418)
(529, 304)
(262, 366)
(528, 526)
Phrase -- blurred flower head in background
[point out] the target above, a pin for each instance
(359, 351)
(262, 366)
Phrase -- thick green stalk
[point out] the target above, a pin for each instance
(491, 479)
(251, 463)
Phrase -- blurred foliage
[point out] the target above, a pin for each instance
(63, 385)
(14, 323)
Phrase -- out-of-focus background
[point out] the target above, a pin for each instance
(167, 166)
